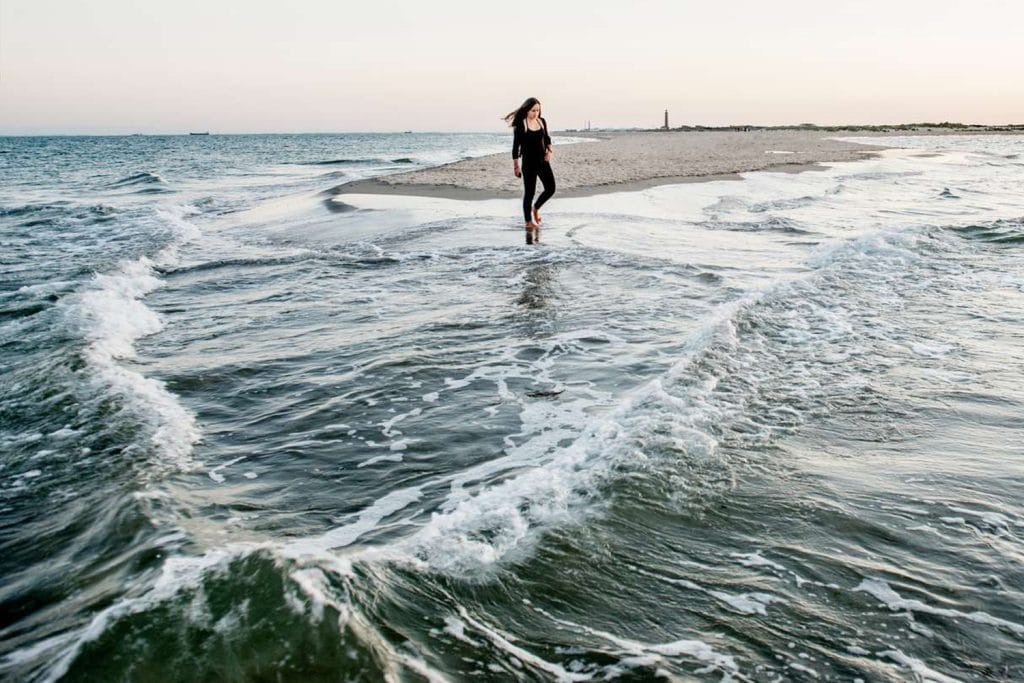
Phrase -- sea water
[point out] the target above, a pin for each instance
(766, 429)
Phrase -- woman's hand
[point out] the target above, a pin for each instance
(548, 154)
(515, 169)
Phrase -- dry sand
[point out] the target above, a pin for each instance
(626, 161)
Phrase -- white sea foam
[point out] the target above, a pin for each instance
(922, 672)
(994, 520)
(388, 426)
(46, 647)
(756, 560)
(504, 642)
(417, 665)
(796, 666)
(347, 534)
(397, 457)
(748, 603)
(112, 317)
(314, 583)
(215, 472)
(457, 629)
(638, 653)
(885, 594)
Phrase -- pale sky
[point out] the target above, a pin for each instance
(131, 66)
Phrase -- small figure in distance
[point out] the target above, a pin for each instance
(530, 139)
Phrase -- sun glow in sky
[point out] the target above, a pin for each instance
(123, 66)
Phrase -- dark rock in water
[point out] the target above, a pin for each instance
(402, 160)
(948, 194)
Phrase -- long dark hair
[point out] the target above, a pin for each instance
(514, 118)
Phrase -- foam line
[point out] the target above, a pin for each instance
(696, 649)
(885, 594)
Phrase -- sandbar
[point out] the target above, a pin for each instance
(624, 161)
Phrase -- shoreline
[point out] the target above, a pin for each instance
(624, 162)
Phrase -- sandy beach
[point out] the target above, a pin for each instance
(627, 161)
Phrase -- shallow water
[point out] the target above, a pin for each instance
(756, 430)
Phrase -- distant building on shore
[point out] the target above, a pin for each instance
(666, 119)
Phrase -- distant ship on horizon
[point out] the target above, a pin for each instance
(205, 133)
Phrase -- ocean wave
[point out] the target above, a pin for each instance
(143, 178)
(769, 224)
(337, 162)
(21, 311)
(175, 270)
(887, 176)
(153, 190)
(783, 204)
(111, 316)
(144, 183)
(29, 209)
(321, 617)
(58, 215)
(1004, 231)
(230, 597)
(364, 161)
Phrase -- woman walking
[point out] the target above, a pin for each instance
(531, 140)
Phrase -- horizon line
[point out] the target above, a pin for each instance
(690, 127)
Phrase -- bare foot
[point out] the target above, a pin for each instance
(532, 233)
(536, 216)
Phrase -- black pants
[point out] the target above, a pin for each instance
(531, 171)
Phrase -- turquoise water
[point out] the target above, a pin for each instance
(756, 430)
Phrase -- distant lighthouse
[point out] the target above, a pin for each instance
(666, 119)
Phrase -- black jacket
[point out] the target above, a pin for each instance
(527, 142)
